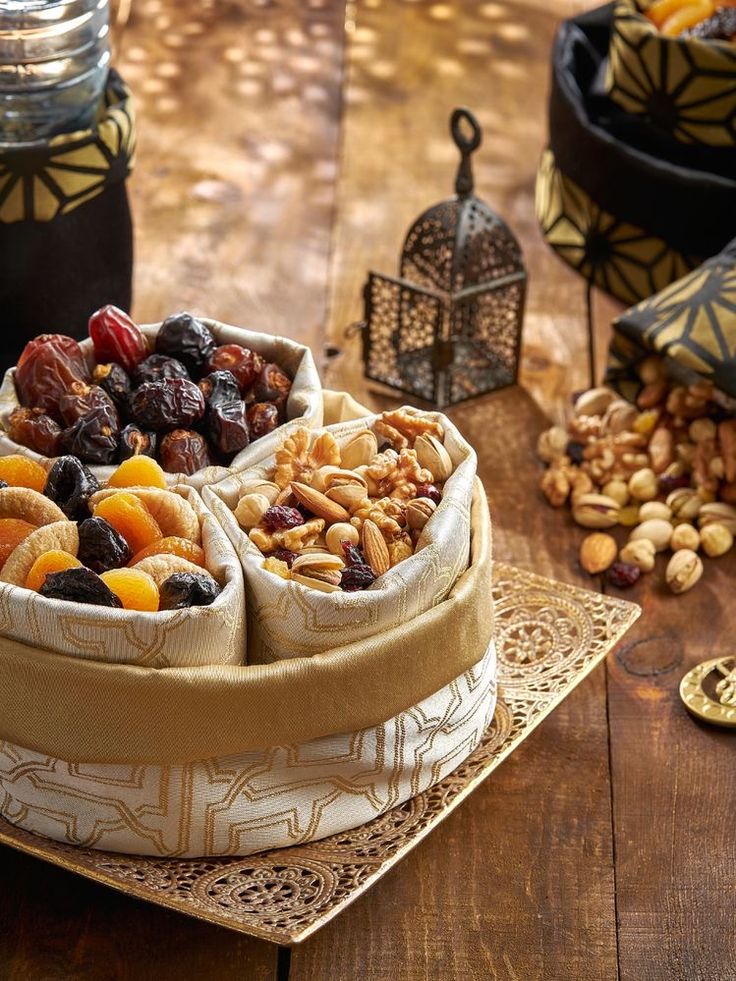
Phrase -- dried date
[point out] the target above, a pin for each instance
(244, 364)
(134, 442)
(263, 418)
(171, 404)
(184, 451)
(83, 399)
(91, 438)
(227, 427)
(157, 367)
(186, 338)
(36, 430)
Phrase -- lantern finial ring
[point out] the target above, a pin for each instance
(466, 145)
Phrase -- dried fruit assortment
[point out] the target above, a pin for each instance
(336, 518)
(125, 546)
(664, 469)
(188, 404)
(708, 19)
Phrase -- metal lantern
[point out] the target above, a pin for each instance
(448, 327)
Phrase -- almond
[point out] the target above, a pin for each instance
(375, 548)
(597, 552)
(319, 504)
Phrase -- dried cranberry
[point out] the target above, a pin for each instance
(353, 555)
(36, 430)
(116, 338)
(245, 364)
(357, 577)
(272, 385)
(279, 518)
(46, 368)
(174, 403)
(81, 399)
(70, 485)
(263, 418)
(101, 547)
(184, 451)
(185, 589)
(188, 339)
(219, 387)
(115, 381)
(575, 451)
(157, 367)
(431, 491)
(79, 585)
(92, 438)
(668, 483)
(284, 555)
(228, 428)
(623, 574)
(134, 442)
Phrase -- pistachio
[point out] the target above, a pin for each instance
(419, 511)
(716, 539)
(685, 503)
(684, 569)
(348, 496)
(319, 477)
(432, 455)
(724, 514)
(640, 553)
(618, 490)
(594, 402)
(597, 552)
(312, 583)
(595, 511)
(552, 443)
(643, 484)
(250, 509)
(654, 509)
(338, 533)
(360, 450)
(319, 565)
(619, 417)
(685, 536)
(657, 530)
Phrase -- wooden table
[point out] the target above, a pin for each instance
(285, 146)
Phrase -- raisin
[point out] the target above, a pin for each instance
(187, 339)
(279, 518)
(356, 577)
(116, 338)
(174, 403)
(138, 471)
(263, 418)
(92, 438)
(21, 471)
(575, 451)
(134, 442)
(353, 555)
(54, 561)
(431, 491)
(245, 364)
(227, 426)
(46, 368)
(115, 381)
(36, 430)
(623, 574)
(81, 399)
(131, 518)
(70, 485)
(272, 385)
(135, 589)
(219, 387)
(184, 451)
(101, 547)
(80, 586)
(284, 555)
(157, 367)
(12, 532)
(185, 589)
(669, 483)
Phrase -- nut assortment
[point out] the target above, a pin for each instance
(337, 518)
(132, 545)
(188, 403)
(664, 469)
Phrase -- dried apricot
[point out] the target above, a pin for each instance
(54, 561)
(12, 532)
(172, 546)
(129, 515)
(135, 589)
(21, 471)
(138, 471)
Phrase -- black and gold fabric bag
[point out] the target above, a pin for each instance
(66, 237)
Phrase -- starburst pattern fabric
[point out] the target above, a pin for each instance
(73, 168)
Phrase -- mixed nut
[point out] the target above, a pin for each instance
(188, 403)
(132, 545)
(664, 468)
(338, 517)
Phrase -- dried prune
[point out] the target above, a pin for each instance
(184, 451)
(245, 364)
(101, 547)
(46, 368)
(134, 442)
(228, 427)
(185, 589)
(80, 586)
(272, 385)
(263, 418)
(431, 491)
(157, 367)
(188, 339)
(278, 518)
(116, 338)
(219, 387)
(36, 430)
(81, 399)
(92, 438)
(174, 403)
(70, 485)
(623, 574)
(115, 381)
(355, 577)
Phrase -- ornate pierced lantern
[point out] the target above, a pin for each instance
(448, 327)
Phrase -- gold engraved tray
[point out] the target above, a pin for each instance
(549, 636)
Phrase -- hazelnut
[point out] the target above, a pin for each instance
(658, 531)
(654, 509)
(340, 532)
(685, 536)
(716, 539)
(250, 509)
(684, 569)
(618, 490)
(643, 484)
(640, 553)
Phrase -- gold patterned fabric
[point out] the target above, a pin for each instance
(72, 168)
(692, 322)
(686, 87)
